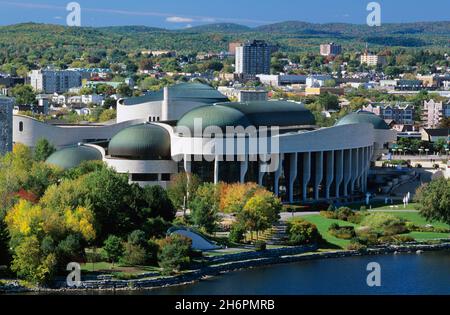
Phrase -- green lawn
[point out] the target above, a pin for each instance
(323, 224)
(417, 219)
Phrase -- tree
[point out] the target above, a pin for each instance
(260, 212)
(445, 123)
(174, 254)
(434, 200)
(113, 248)
(43, 150)
(44, 238)
(124, 90)
(233, 197)
(204, 207)
(158, 203)
(181, 186)
(23, 94)
(328, 101)
(30, 263)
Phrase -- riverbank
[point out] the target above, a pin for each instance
(222, 265)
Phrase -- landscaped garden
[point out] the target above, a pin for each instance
(410, 224)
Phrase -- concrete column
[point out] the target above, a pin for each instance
(292, 175)
(306, 174)
(260, 175)
(277, 176)
(330, 173)
(318, 173)
(347, 170)
(244, 169)
(361, 169)
(216, 170)
(187, 164)
(355, 169)
(165, 105)
(339, 155)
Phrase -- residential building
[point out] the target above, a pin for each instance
(252, 96)
(281, 80)
(402, 114)
(330, 49)
(253, 58)
(316, 81)
(54, 81)
(435, 134)
(433, 112)
(372, 59)
(309, 91)
(232, 47)
(6, 127)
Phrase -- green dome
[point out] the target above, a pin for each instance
(141, 142)
(258, 114)
(72, 157)
(217, 115)
(363, 117)
(275, 113)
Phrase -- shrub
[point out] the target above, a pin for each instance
(356, 246)
(237, 233)
(366, 236)
(342, 232)
(260, 246)
(302, 232)
(356, 218)
(328, 214)
(395, 239)
(381, 221)
(134, 254)
(174, 254)
(343, 213)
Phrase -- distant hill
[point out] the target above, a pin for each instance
(291, 36)
(219, 27)
(296, 27)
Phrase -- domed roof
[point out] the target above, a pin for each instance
(363, 117)
(189, 92)
(217, 115)
(258, 114)
(141, 142)
(74, 156)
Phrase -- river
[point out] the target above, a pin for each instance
(427, 273)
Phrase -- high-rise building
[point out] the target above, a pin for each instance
(232, 47)
(50, 81)
(6, 117)
(330, 49)
(372, 59)
(433, 112)
(253, 58)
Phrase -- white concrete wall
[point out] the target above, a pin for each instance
(62, 136)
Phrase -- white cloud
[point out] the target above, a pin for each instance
(179, 19)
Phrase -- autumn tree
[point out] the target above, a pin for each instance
(260, 212)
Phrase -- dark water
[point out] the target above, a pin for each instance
(428, 273)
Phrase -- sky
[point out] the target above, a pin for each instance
(175, 14)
